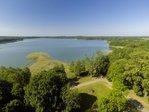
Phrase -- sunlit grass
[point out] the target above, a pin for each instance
(92, 95)
(98, 89)
(86, 79)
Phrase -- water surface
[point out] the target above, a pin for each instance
(14, 54)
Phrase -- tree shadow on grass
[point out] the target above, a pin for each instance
(87, 102)
(73, 82)
(134, 105)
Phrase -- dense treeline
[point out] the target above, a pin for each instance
(6, 39)
(95, 66)
(114, 40)
(9, 39)
(129, 42)
(46, 92)
(129, 67)
(109, 38)
(12, 83)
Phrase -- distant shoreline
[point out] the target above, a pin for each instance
(10, 39)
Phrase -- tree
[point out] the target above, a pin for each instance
(100, 65)
(116, 73)
(12, 75)
(44, 91)
(129, 67)
(87, 64)
(78, 68)
(12, 82)
(71, 66)
(71, 99)
(15, 106)
(18, 92)
(115, 102)
(5, 92)
(59, 68)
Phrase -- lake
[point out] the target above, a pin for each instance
(14, 54)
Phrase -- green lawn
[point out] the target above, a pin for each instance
(92, 94)
(98, 89)
(86, 79)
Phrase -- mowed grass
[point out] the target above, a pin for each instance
(92, 93)
(86, 79)
(98, 89)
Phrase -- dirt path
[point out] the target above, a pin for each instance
(109, 84)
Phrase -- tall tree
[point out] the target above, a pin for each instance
(44, 91)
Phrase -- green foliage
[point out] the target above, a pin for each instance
(72, 66)
(18, 91)
(129, 67)
(59, 68)
(94, 66)
(14, 76)
(115, 102)
(116, 69)
(100, 65)
(5, 95)
(12, 83)
(15, 106)
(44, 91)
(87, 63)
(71, 99)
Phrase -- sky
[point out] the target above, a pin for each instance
(74, 17)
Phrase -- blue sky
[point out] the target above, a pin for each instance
(74, 17)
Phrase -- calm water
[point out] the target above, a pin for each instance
(14, 54)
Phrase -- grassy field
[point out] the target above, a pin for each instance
(98, 89)
(86, 79)
(92, 93)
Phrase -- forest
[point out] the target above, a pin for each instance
(126, 66)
